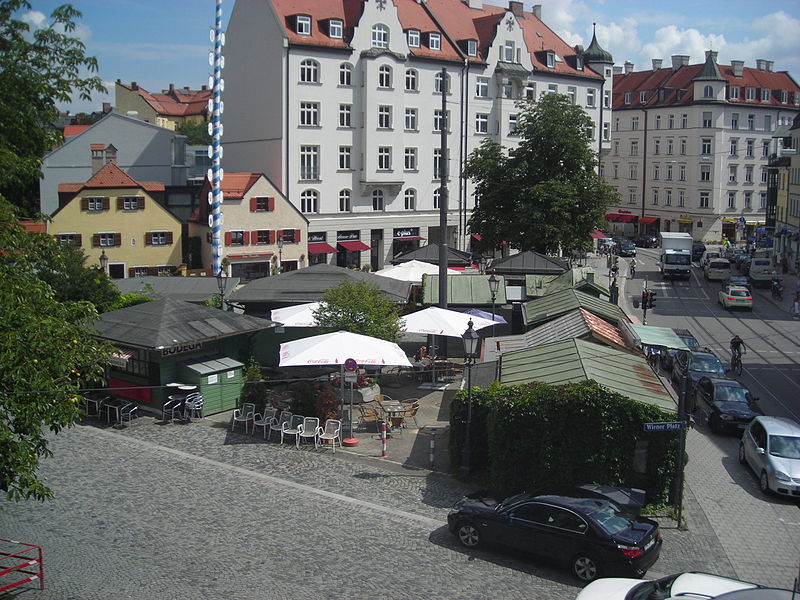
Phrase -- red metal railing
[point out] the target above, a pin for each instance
(19, 558)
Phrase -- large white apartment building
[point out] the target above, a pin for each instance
(339, 103)
(690, 145)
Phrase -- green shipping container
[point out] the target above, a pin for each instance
(218, 379)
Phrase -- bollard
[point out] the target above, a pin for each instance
(383, 439)
(433, 448)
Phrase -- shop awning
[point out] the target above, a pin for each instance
(648, 220)
(647, 335)
(413, 238)
(748, 222)
(597, 234)
(354, 246)
(626, 218)
(612, 217)
(321, 248)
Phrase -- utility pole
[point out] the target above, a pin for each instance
(443, 175)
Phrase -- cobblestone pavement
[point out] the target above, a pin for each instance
(194, 511)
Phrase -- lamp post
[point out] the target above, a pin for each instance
(482, 265)
(494, 282)
(104, 262)
(280, 255)
(471, 343)
(221, 281)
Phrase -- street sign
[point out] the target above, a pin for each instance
(350, 365)
(668, 426)
(350, 377)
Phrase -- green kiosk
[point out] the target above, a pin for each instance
(219, 380)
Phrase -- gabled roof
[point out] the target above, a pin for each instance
(430, 254)
(579, 278)
(576, 360)
(529, 262)
(554, 305)
(70, 130)
(236, 185)
(309, 284)
(175, 102)
(110, 176)
(165, 323)
(186, 289)
(464, 290)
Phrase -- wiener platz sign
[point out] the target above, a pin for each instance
(667, 426)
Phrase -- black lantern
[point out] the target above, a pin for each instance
(494, 283)
(471, 353)
(104, 262)
(222, 275)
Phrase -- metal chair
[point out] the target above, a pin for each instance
(278, 423)
(168, 407)
(370, 414)
(243, 415)
(264, 420)
(128, 412)
(332, 431)
(194, 407)
(292, 427)
(309, 428)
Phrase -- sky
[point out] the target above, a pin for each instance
(156, 43)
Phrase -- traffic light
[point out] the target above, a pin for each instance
(651, 300)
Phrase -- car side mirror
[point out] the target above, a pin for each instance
(759, 450)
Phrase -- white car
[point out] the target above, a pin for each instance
(771, 447)
(686, 586)
(733, 296)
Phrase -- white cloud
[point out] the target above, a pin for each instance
(671, 40)
(35, 19)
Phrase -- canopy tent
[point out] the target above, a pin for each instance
(301, 315)
(412, 270)
(477, 312)
(440, 321)
(335, 348)
(647, 335)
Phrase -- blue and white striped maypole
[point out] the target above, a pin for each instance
(215, 108)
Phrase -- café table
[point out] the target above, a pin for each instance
(95, 400)
(116, 405)
(395, 411)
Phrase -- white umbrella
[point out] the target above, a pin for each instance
(440, 321)
(301, 315)
(335, 348)
(412, 270)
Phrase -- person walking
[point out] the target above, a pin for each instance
(632, 269)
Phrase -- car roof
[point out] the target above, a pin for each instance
(780, 426)
(703, 354)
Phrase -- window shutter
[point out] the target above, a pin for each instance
(120, 203)
(245, 238)
(118, 239)
(254, 237)
(227, 238)
(106, 203)
(141, 202)
(148, 239)
(272, 236)
(152, 270)
(96, 240)
(78, 240)
(131, 272)
(169, 238)
(253, 204)
(84, 204)
(296, 236)
(270, 204)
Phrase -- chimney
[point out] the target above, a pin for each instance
(628, 67)
(761, 64)
(537, 11)
(737, 66)
(516, 7)
(770, 63)
(111, 154)
(657, 64)
(134, 85)
(97, 157)
(476, 4)
(679, 60)
(204, 88)
(712, 54)
(106, 107)
(617, 70)
(171, 87)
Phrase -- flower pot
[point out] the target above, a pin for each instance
(365, 394)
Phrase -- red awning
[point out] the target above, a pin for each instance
(648, 220)
(625, 218)
(612, 217)
(597, 234)
(321, 248)
(476, 236)
(415, 238)
(355, 246)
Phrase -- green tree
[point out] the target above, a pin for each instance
(196, 132)
(130, 299)
(48, 354)
(37, 69)
(359, 307)
(543, 195)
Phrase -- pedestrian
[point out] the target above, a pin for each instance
(614, 271)
(796, 307)
(784, 264)
(632, 269)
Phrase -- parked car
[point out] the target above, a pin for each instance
(726, 404)
(771, 446)
(717, 269)
(668, 356)
(627, 248)
(681, 585)
(702, 363)
(646, 241)
(738, 281)
(594, 536)
(697, 250)
(734, 296)
(734, 254)
(744, 264)
(708, 255)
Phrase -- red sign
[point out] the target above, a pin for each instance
(350, 365)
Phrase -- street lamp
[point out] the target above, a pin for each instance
(104, 262)
(471, 344)
(482, 265)
(280, 255)
(221, 281)
(494, 282)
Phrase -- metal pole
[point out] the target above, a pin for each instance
(383, 439)
(682, 417)
(465, 451)
(494, 323)
(351, 409)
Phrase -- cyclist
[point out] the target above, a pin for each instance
(737, 345)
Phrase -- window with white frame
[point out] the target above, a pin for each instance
(631, 196)
(655, 197)
(377, 200)
(590, 96)
(159, 238)
(731, 199)
(385, 77)
(606, 131)
(508, 51)
(481, 123)
(671, 122)
(411, 119)
(346, 74)
(606, 99)
(765, 148)
(634, 148)
(734, 92)
(472, 48)
(131, 203)
(708, 91)
(733, 171)
(748, 200)
(380, 36)
(512, 124)
(344, 201)
(766, 95)
(336, 29)
(751, 122)
(412, 37)
(434, 41)
(705, 172)
(309, 71)
(384, 158)
(683, 147)
(579, 63)
(734, 120)
(616, 147)
(668, 198)
(345, 158)
(705, 200)
(627, 98)
(107, 240)
(410, 159)
(643, 97)
(69, 238)
(530, 90)
(551, 60)
(309, 114)
(440, 119)
(437, 163)
(656, 172)
(633, 171)
(669, 146)
(411, 80)
(707, 119)
(309, 201)
(684, 121)
(410, 199)
(784, 96)
(658, 121)
(309, 162)
(440, 80)
(669, 173)
(682, 173)
(615, 171)
(345, 115)
(751, 148)
(552, 88)
(572, 94)
(681, 197)
(705, 146)
(634, 123)
(764, 175)
(751, 93)
(656, 146)
(482, 87)
(734, 146)
(748, 174)
(763, 200)
(384, 117)
(437, 198)
(94, 203)
(303, 25)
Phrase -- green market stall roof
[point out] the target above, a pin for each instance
(464, 290)
(554, 305)
(528, 263)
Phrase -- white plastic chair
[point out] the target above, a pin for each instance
(277, 423)
(332, 431)
(292, 427)
(309, 428)
(243, 415)
(264, 420)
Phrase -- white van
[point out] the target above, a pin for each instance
(717, 269)
(708, 255)
(761, 271)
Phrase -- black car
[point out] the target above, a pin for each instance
(646, 241)
(593, 535)
(701, 364)
(726, 404)
(668, 356)
(698, 250)
(739, 281)
(627, 248)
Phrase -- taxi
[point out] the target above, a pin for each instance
(734, 296)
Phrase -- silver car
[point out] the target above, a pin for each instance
(771, 446)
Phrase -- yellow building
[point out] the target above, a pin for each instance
(169, 109)
(115, 215)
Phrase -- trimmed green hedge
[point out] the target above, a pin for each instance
(528, 436)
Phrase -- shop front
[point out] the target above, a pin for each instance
(405, 239)
(685, 224)
(318, 248)
(249, 266)
(649, 225)
(349, 248)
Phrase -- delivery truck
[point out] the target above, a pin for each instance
(675, 260)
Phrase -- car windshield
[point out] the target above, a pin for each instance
(608, 515)
(690, 341)
(706, 365)
(511, 500)
(677, 259)
(728, 393)
(784, 446)
(645, 589)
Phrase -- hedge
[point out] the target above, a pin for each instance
(537, 435)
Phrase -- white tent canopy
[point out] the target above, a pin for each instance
(301, 315)
(412, 270)
(335, 348)
(440, 321)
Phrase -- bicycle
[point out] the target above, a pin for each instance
(736, 363)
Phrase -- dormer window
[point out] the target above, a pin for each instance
(551, 60)
(472, 48)
(734, 93)
(303, 25)
(765, 95)
(784, 96)
(627, 98)
(579, 63)
(412, 36)
(336, 29)
(434, 41)
(643, 96)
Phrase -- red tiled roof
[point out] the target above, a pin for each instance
(235, 185)
(681, 79)
(413, 16)
(175, 102)
(603, 328)
(34, 226)
(110, 176)
(70, 130)
(349, 11)
(97, 146)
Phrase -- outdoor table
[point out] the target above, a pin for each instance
(395, 410)
(97, 401)
(116, 405)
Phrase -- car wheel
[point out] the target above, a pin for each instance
(763, 482)
(468, 535)
(585, 568)
(742, 459)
